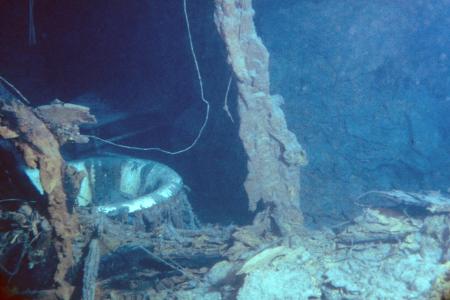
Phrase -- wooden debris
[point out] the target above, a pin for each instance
(375, 227)
(39, 133)
(63, 119)
(262, 259)
(433, 201)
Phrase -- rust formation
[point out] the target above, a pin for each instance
(39, 133)
(274, 154)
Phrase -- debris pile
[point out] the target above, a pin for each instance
(39, 140)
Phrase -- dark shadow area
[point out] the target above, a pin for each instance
(131, 63)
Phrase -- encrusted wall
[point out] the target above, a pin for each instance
(367, 94)
(274, 154)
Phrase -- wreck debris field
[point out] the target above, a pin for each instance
(225, 149)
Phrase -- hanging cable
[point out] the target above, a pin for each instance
(11, 86)
(202, 96)
(31, 27)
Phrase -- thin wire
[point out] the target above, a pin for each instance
(171, 263)
(225, 103)
(15, 89)
(202, 95)
(14, 200)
